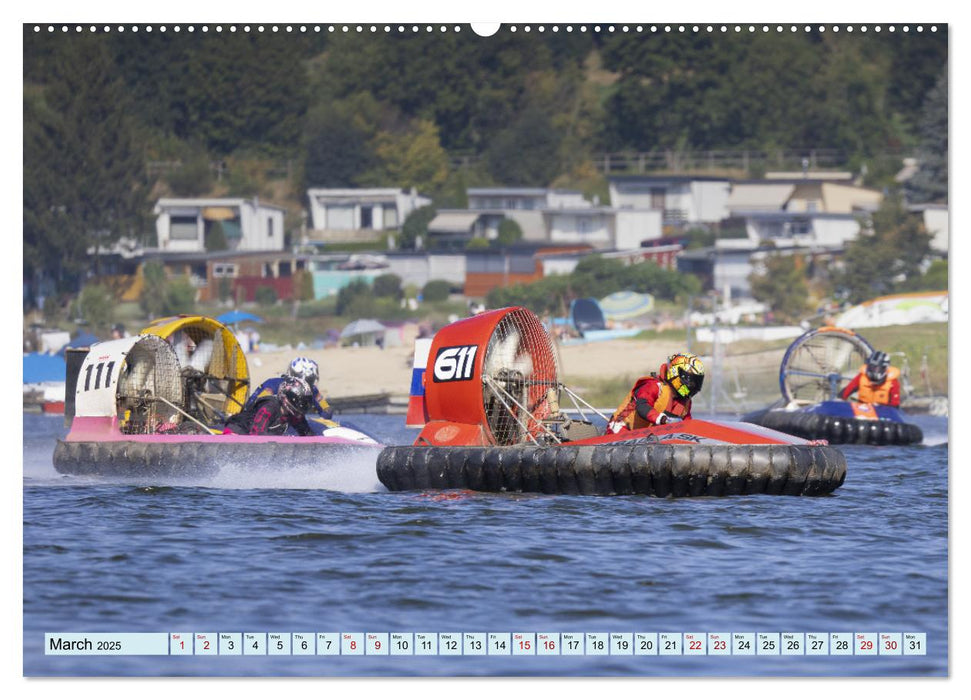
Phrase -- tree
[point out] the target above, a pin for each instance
(215, 237)
(410, 158)
(96, 305)
(84, 170)
(889, 257)
(416, 225)
(193, 179)
(336, 146)
(509, 233)
(929, 183)
(152, 298)
(435, 290)
(782, 285)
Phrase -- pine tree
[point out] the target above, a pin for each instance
(929, 184)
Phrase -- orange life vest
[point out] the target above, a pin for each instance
(870, 392)
(627, 413)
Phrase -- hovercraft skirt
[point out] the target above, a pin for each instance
(838, 430)
(186, 459)
(607, 470)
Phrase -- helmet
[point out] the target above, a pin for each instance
(304, 368)
(876, 367)
(685, 374)
(295, 395)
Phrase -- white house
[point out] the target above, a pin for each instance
(183, 224)
(935, 217)
(360, 213)
(682, 199)
(545, 216)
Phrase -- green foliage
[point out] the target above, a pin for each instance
(349, 295)
(336, 144)
(388, 285)
(435, 290)
(163, 297)
(783, 286)
(84, 168)
(152, 299)
(929, 184)
(193, 179)
(96, 305)
(303, 285)
(595, 276)
(225, 289)
(477, 243)
(215, 237)
(180, 297)
(265, 296)
(410, 158)
(415, 225)
(934, 279)
(889, 258)
(509, 233)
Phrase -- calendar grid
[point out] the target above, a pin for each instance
(486, 644)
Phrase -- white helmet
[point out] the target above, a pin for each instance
(306, 369)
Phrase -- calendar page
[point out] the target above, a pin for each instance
(714, 189)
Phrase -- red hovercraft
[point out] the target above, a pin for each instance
(489, 409)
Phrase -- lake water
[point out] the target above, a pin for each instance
(331, 551)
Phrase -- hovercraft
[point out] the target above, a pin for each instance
(814, 369)
(136, 410)
(486, 394)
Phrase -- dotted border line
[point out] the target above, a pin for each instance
(415, 28)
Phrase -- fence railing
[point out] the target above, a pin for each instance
(631, 163)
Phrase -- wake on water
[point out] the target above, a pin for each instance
(348, 470)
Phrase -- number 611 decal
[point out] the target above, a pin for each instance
(455, 363)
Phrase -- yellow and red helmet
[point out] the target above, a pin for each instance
(685, 374)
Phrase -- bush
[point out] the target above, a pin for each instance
(95, 305)
(225, 289)
(348, 293)
(216, 237)
(387, 286)
(152, 299)
(192, 179)
(509, 233)
(436, 290)
(265, 296)
(180, 297)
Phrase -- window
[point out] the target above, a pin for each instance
(269, 227)
(657, 197)
(366, 217)
(183, 228)
(224, 270)
(583, 225)
(390, 217)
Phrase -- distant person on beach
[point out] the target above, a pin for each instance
(663, 396)
(876, 382)
(273, 414)
(303, 368)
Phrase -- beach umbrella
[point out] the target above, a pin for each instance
(623, 305)
(235, 316)
(362, 326)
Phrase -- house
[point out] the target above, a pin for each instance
(561, 217)
(682, 200)
(359, 214)
(520, 264)
(936, 222)
(189, 225)
(807, 211)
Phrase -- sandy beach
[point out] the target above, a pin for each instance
(350, 371)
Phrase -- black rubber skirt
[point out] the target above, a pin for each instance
(608, 470)
(188, 459)
(837, 430)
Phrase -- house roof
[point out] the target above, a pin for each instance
(666, 178)
(453, 221)
(204, 202)
(759, 196)
(515, 191)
